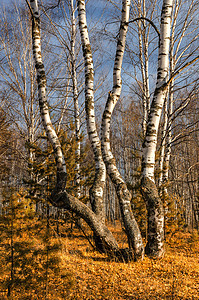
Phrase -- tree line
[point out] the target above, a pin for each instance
(139, 163)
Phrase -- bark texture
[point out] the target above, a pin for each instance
(155, 242)
(96, 191)
(163, 146)
(75, 99)
(165, 175)
(144, 62)
(124, 196)
(155, 239)
(66, 201)
(59, 197)
(43, 105)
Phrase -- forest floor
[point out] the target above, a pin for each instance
(87, 274)
(93, 276)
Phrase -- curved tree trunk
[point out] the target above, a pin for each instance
(124, 196)
(96, 191)
(59, 197)
(155, 242)
(43, 105)
(67, 201)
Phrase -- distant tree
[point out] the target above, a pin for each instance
(16, 259)
(18, 79)
(30, 260)
(60, 196)
(5, 140)
(124, 196)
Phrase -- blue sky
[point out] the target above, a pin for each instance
(8, 2)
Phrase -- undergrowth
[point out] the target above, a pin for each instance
(86, 274)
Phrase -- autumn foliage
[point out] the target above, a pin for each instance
(47, 264)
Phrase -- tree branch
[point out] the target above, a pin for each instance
(148, 20)
(166, 84)
(28, 3)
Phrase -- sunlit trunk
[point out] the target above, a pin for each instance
(144, 61)
(165, 173)
(124, 196)
(162, 147)
(44, 110)
(155, 242)
(59, 197)
(96, 192)
(76, 103)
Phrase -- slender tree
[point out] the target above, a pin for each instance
(59, 196)
(177, 51)
(96, 192)
(124, 196)
(19, 80)
(75, 99)
(155, 241)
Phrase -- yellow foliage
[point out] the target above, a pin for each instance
(86, 274)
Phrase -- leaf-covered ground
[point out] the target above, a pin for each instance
(176, 276)
(86, 274)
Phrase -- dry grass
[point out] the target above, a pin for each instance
(86, 274)
(92, 276)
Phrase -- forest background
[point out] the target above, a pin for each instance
(39, 241)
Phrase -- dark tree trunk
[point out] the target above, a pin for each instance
(64, 200)
(155, 233)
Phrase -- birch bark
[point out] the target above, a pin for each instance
(124, 196)
(168, 110)
(75, 99)
(166, 151)
(18, 75)
(96, 191)
(44, 111)
(145, 114)
(174, 57)
(155, 243)
(163, 145)
(144, 58)
(173, 62)
(59, 197)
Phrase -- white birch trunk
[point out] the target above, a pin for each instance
(145, 114)
(163, 147)
(155, 243)
(41, 80)
(144, 57)
(165, 174)
(174, 52)
(59, 197)
(76, 103)
(124, 196)
(96, 192)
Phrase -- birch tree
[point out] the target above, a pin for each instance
(143, 34)
(178, 47)
(75, 98)
(166, 71)
(66, 36)
(18, 79)
(124, 196)
(176, 53)
(155, 241)
(59, 197)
